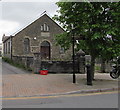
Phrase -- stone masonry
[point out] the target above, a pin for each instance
(36, 37)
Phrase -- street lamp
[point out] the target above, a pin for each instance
(73, 42)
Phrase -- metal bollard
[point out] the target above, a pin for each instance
(89, 76)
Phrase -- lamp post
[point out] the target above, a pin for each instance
(73, 42)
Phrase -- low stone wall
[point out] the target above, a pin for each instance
(52, 66)
(60, 66)
(27, 61)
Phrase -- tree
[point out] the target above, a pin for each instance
(95, 23)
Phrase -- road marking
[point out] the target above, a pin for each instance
(69, 95)
(89, 94)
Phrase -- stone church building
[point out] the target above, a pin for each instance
(38, 36)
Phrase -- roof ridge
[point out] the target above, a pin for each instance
(37, 17)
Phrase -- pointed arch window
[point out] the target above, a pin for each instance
(26, 45)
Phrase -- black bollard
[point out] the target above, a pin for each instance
(89, 75)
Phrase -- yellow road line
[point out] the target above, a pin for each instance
(69, 95)
(87, 94)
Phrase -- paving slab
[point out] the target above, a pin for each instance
(19, 85)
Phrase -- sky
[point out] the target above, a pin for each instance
(16, 14)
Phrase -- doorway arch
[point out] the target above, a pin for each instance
(45, 50)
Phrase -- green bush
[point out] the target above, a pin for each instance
(7, 60)
(22, 66)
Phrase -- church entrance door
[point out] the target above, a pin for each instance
(45, 50)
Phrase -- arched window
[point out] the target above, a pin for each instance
(45, 27)
(41, 27)
(26, 46)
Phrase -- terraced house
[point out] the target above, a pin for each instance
(38, 36)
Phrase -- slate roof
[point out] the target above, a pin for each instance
(44, 13)
(5, 38)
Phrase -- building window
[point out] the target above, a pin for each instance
(41, 27)
(62, 50)
(26, 46)
(45, 27)
(6, 48)
(9, 47)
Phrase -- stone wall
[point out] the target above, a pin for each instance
(51, 66)
(36, 36)
(27, 61)
(60, 66)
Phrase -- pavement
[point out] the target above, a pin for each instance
(20, 83)
(28, 85)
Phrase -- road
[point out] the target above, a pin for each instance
(93, 100)
(96, 100)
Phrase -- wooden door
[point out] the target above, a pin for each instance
(45, 50)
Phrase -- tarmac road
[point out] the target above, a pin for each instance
(17, 83)
(91, 100)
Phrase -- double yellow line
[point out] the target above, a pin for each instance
(68, 95)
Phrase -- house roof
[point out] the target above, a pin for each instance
(44, 13)
(5, 38)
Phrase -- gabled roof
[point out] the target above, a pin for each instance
(4, 37)
(44, 13)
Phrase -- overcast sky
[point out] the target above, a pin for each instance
(16, 14)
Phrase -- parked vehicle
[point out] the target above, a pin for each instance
(115, 72)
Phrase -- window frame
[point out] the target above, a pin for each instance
(45, 28)
(26, 46)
